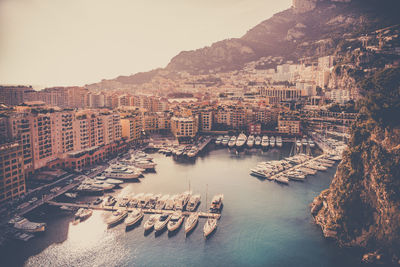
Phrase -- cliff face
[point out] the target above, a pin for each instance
(362, 205)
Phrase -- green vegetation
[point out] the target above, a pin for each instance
(381, 101)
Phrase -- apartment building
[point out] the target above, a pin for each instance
(205, 120)
(184, 127)
(131, 128)
(12, 177)
(275, 95)
(289, 123)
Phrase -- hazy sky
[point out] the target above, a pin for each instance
(75, 42)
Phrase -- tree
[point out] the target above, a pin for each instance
(381, 100)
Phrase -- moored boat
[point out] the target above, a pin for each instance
(250, 141)
(117, 217)
(264, 141)
(122, 173)
(134, 217)
(279, 141)
(209, 227)
(25, 225)
(272, 141)
(162, 222)
(161, 202)
(282, 179)
(191, 222)
(219, 140)
(225, 140)
(149, 224)
(257, 141)
(216, 203)
(241, 140)
(175, 222)
(232, 142)
(193, 202)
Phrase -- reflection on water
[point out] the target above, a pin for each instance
(263, 223)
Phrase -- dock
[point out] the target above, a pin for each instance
(47, 198)
(204, 144)
(115, 207)
(296, 167)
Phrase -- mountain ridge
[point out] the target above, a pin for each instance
(286, 34)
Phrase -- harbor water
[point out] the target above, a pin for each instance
(263, 223)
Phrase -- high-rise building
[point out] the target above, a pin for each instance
(131, 128)
(12, 177)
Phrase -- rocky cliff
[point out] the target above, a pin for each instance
(362, 205)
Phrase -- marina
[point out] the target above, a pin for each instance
(246, 201)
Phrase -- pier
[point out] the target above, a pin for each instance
(147, 211)
(296, 167)
(47, 198)
(205, 143)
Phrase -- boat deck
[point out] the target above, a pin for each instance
(115, 207)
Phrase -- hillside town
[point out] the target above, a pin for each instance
(74, 127)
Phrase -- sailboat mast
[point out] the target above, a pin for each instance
(206, 196)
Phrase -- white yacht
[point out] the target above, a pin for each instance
(272, 141)
(191, 222)
(133, 218)
(145, 164)
(121, 173)
(265, 141)
(219, 140)
(209, 227)
(113, 181)
(232, 142)
(307, 170)
(282, 179)
(193, 203)
(116, 217)
(175, 222)
(25, 225)
(257, 142)
(170, 203)
(192, 152)
(161, 202)
(149, 224)
(225, 140)
(83, 214)
(295, 175)
(216, 203)
(250, 141)
(241, 140)
(279, 141)
(162, 222)
(179, 152)
(316, 166)
(258, 172)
